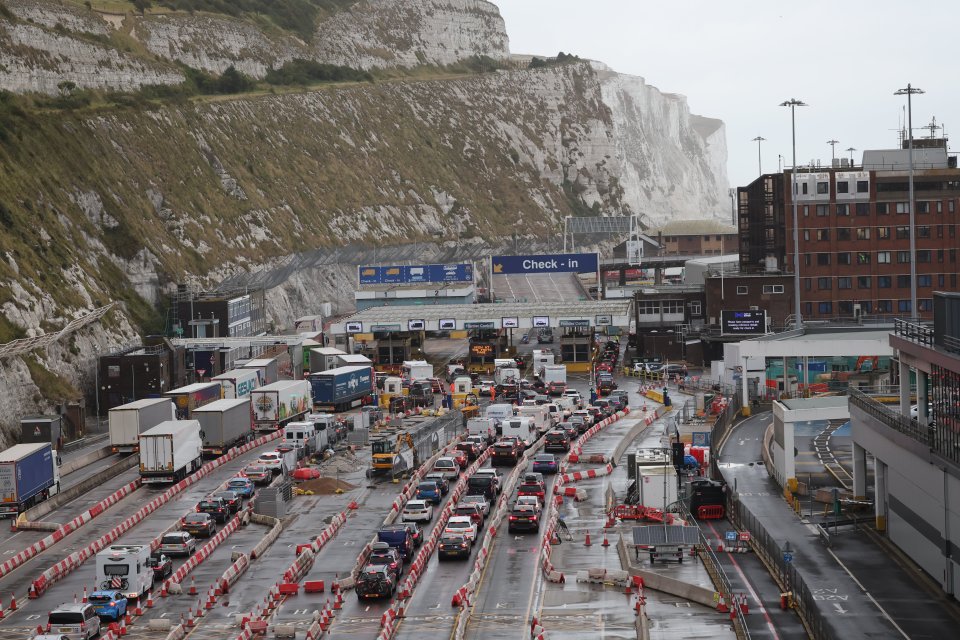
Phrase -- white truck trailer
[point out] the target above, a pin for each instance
(170, 451)
(224, 424)
(128, 421)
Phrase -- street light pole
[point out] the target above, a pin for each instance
(758, 140)
(909, 92)
(793, 103)
(851, 150)
(833, 150)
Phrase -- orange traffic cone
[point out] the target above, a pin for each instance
(744, 605)
(193, 586)
(586, 542)
(150, 601)
(722, 605)
(84, 594)
(606, 543)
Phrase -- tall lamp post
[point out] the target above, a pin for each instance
(851, 150)
(909, 91)
(793, 103)
(833, 150)
(758, 140)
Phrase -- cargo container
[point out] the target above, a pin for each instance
(354, 360)
(341, 388)
(324, 358)
(170, 451)
(188, 398)
(268, 367)
(276, 404)
(28, 474)
(128, 421)
(224, 424)
(237, 383)
(42, 429)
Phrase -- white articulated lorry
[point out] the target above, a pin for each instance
(170, 451)
(129, 420)
(224, 424)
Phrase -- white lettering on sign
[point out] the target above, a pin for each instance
(540, 264)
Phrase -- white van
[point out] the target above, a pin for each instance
(124, 567)
(542, 420)
(302, 435)
(485, 427)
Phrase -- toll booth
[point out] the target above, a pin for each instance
(486, 345)
(393, 349)
(576, 349)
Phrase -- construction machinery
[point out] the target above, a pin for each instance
(393, 457)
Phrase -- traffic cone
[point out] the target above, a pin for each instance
(13, 602)
(199, 610)
(722, 605)
(150, 601)
(74, 598)
(193, 586)
(138, 611)
(606, 543)
(1, 609)
(719, 545)
(744, 605)
(586, 542)
(163, 589)
(84, 594)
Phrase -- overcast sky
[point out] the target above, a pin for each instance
(738, 60)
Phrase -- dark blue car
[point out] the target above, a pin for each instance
(241, 486)
(545, 463)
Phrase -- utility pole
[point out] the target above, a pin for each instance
(793, 103)
(909, 91)
(851, 150)
(758, 140)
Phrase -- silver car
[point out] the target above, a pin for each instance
(178, 543)
(76, 621)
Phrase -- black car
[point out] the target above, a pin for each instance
(557, 440)
(570, 429)
(232, 499)
(161, 564)
(523, 519)
(382, 554)
(216, 507)
(375, 581)
(453, 546)
(482, 486)
(197, 524)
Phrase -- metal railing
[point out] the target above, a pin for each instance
(26, 345)
(905, 425)
(785, 573)
(913, 331)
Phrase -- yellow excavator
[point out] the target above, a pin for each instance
(393, 457)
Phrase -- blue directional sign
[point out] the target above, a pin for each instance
(787, 557)
(547, 263)
(415, 274)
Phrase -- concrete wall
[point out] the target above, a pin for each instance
(923, 501)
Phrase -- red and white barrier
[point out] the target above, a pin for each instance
(74, 560)
(67, 529)
(233, 573)
(204, 551)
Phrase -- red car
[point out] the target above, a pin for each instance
(461, 458)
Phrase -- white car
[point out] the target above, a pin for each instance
(528, 502)
(272, 460)
(447, 466)
(462, 526)
(485, 386)
(417, 511)
(574, 395)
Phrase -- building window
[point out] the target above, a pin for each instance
(863, 282)
(923, 232)
(843, 209)
(803, 188)
(807, 284)
(863, 257)
(741, 290)
(924, 280)
(863, 208)
(952, 231)
(648, 307)
(823, 284)
(823, 188)
(941, 280)
(806, 235)
(940, 259)
(883, 208)
(902, 207)
(863, 186)
(772, 288)
(807, 308)
(673, 307)
(823, 210)
(903, 257)
(845, 282)
(695, 309)
(953, 258)
(939, 230)
(843, 233)
(823, 259)
(923, 207)
(863, 233)
(924, 255)
(951, 205)
(883, 233)
(883, 257)
(825, 308)
(884, 306)
(939, 207)
(903, 233)
(884, 282)
(866, 306)
(846, 307)
(806, 211)
(903, 306)
(823, 235)
(706, 238)
(925, 304)
(843, 187)
(903, 282)
(844, 257)
(806, 259)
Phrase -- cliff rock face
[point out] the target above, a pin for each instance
(120, 205)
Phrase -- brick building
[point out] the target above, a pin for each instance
(854, 231)
(695, 238)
